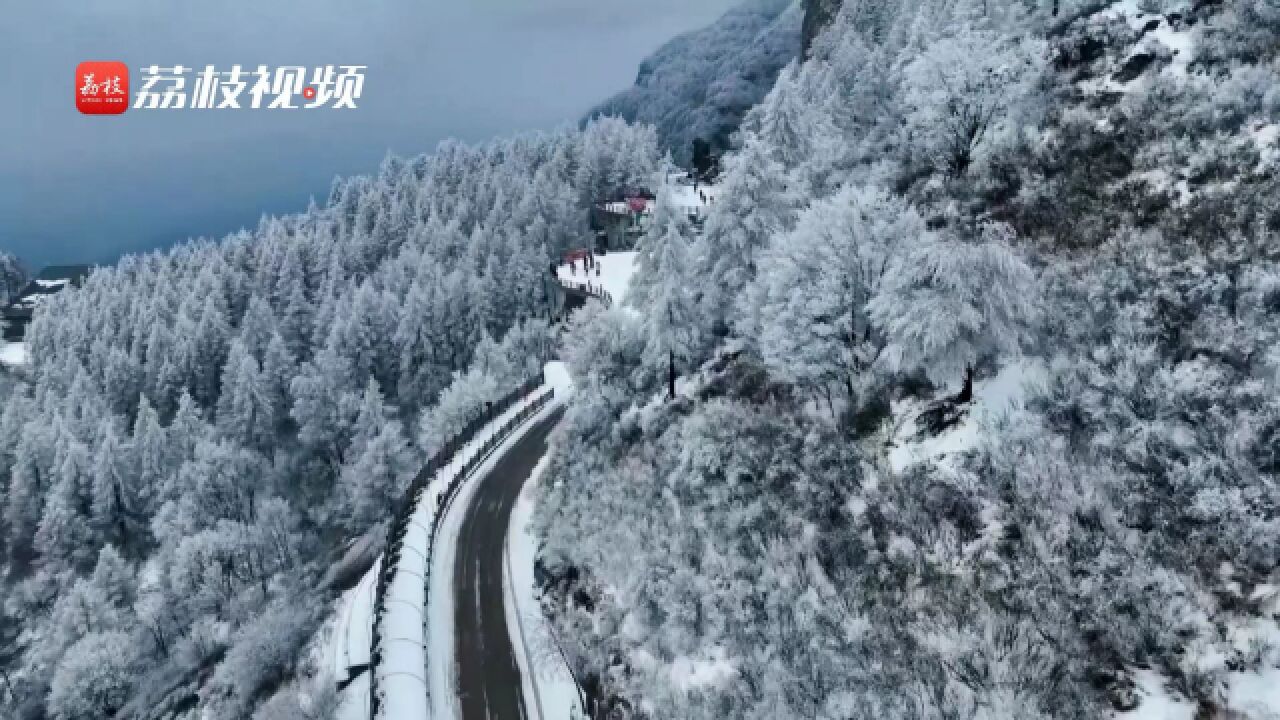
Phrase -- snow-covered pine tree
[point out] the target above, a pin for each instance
(673, 322)
(753, 203)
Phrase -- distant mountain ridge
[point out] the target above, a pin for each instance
(701, 84)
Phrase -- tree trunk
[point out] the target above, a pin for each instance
(671, 374)
(966, 392)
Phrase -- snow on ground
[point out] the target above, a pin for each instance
(343, 642)
(993, 398)
(351, 646)
(549, 689)
(709, 670)
(616, 269)
(684, 194)
(1165, 40)
(440, 611)
(1257, 695)
(1178, 42)
(1267, 139)
(13, 354)
(1249, 695)
(353, 703)
(557, 375)
(1157, 702)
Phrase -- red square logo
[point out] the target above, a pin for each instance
(102, 88)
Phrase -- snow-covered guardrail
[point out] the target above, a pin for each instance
(398, 645)
(595, 290)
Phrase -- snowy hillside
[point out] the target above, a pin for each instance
(957, 397)
(196, 464)
(962, 402)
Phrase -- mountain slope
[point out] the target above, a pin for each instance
(844, 509)
(201, 432)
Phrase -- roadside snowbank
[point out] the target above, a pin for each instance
(342, 644)
(549, 688)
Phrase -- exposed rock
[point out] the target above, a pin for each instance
(1133, 67)
(1123, 696)
(818, 14)
(1083, 52)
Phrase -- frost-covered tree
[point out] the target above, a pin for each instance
(95, 678)
(374, 478)
(376, 463)
(465, 397)
(279, 367)
(798, 130)
(615, 156)
(667, 217)
(672, 320)
(812, 300)
(115, 497)
(965, 88)
(323, 414)
(246, 408)
(753, 203)
(948, 303)
(1117, 515)
(65, 537)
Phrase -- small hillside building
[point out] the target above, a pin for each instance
(51, 280)
(619, 221)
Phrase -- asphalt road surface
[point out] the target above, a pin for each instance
(488, 676)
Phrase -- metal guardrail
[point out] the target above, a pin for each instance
(587, 288)
(408, 502)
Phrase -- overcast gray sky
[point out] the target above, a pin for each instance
(87, 188)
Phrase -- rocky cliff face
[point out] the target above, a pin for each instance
(817, 15)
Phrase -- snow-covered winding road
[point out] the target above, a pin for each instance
(491, 662)
(488, 669)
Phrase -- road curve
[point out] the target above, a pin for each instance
(488, 675)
